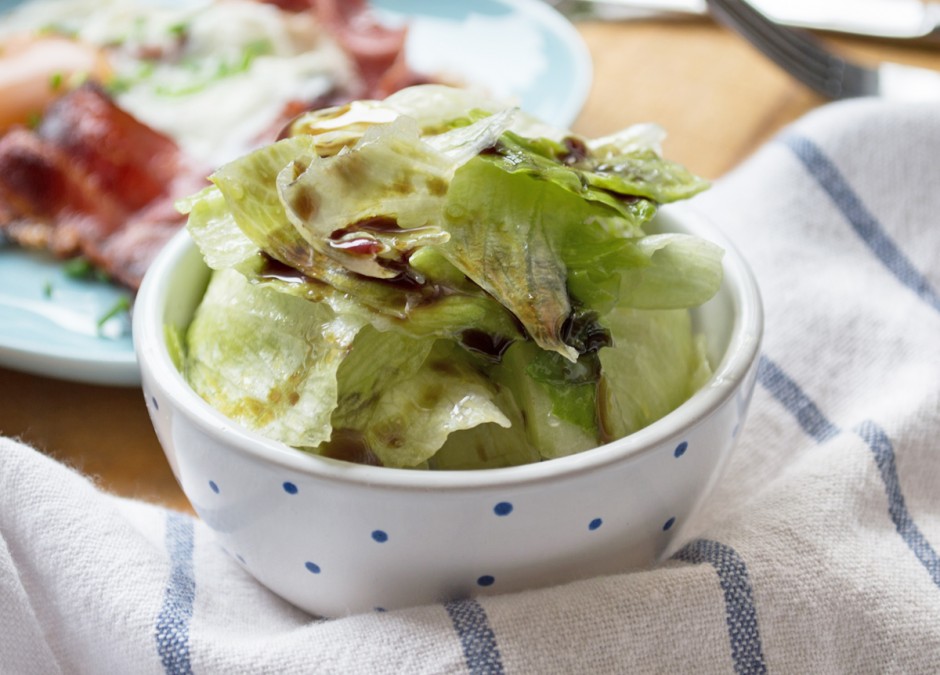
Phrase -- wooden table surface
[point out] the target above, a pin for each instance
(718, 99)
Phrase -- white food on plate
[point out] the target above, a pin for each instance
(217, 88)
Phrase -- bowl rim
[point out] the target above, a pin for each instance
(740, 355)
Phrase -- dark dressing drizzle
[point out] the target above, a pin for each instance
(582, 331)
(349, 445)
(376, 224)
(271, 268)
(577, 151)
(491, 347)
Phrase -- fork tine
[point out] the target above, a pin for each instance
(804, 64)
(801, 41)
(797, 52)
(799, 48)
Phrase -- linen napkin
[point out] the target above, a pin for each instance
(817, 553)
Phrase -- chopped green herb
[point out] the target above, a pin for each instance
(251, 51)
(146, 69)
(55, 81)
(179, 91)
(118, 85)
(224, 69)
(82, 268)
(47, 290)
(78, 268)
(179, 29)
(78, 78)
(122, 305)
(33, 120)
(121, 83)
(57, 29)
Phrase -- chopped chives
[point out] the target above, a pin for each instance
(122, 305)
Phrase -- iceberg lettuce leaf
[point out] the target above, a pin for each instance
(654, 365)
(683, 271)
(368, 208)
(241, 222)
(405, 396)
(489, 445)
(212, 226)
(267, 360)
(558, 398)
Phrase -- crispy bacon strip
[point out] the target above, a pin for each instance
(374, 48)
(377, 51)
(93, 181)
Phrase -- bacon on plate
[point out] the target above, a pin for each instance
(91, 180)
(377, 50)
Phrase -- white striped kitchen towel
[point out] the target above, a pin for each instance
(817, 554)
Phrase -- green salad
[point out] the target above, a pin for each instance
(437, 281)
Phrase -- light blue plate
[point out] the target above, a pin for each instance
(519, 50)
(56, 325)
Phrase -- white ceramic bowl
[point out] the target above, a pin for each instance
(336, 538)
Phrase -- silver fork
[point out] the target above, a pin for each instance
(827, 73)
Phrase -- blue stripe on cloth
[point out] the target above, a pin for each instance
(740, 613)
(476, 637)
(172, 629)
(881, 446)
(789, 394)
(814, 423)
(863, 222)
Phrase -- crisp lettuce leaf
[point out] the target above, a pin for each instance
(212, 226)
(266, 359)
(490, 445)
(654, 365)
(512, 257)
(248, 186)
(558, 398)
(405, 396)
(242, 223)
(545, 245)
(683, 271)
(175, 338)
(369, 207)
(435, 108)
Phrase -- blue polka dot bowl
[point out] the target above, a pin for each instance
(336, 538)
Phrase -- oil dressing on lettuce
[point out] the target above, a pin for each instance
(437, 281)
